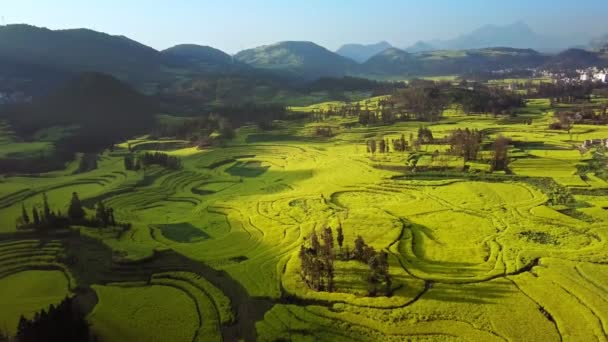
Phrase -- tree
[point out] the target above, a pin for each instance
(374, 265)
(24, 215)
(101, 214)
(75, 211)
(340, 237)
(315, 246)
(46, 210)
(500, 159)
(128, 162)
(358, 251)
(111, 218)
(328, 241)
(465, 143)
(35, 216)
(372, 145)
(382, 146)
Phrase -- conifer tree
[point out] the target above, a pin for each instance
(35, 216)
(46, 210)
(314, 242)
(359, 248)
(24, 215)
(101, 214)
(328, 242)
(112, 221)
(75, 211)
(340, 237)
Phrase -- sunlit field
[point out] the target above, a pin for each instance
(213, 250)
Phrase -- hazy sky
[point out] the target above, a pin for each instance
(233, 25)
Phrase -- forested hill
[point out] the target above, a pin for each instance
(78, 50)
(302, 59)
(104, 108)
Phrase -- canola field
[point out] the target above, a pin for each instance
(213, 251)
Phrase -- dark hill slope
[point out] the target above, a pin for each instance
(575, 59)
(78, 50)
(104, 108)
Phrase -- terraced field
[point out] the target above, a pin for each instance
(212, 254)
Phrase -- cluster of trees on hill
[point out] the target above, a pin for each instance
(580, 115)
(47, 219)
(425, 136)
(146, 159)
(64, 322)
(159, 158)
(425, 100)
(346, 84)
(262, 114)
(465, 143)
(562, 92)
(196, 129)
(324, 131)
(483, 99)
(317, 258)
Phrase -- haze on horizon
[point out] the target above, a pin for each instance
(240, 24)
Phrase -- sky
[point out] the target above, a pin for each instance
(234, 25)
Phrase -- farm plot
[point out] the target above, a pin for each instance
(27, 292)
(151, 313)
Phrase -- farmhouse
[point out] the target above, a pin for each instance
(595, 143)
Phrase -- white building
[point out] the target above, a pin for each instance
(601, 77)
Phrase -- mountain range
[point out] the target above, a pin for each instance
(45, 57)
(515, 35)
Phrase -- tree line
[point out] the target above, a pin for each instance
(151, 158)
(64, 322)
(318, 256)
(198, 130)
(424, 100)
(47, 219)
(466, 143)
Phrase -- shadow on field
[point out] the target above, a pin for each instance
(91, 262)
(479, 293)
(266, 182)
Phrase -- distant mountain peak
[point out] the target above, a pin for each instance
(420, 46)
(517, 35)
(362, 52)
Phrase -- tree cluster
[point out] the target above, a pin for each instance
(465, 143)
(562, 92)
(317, 261)
(325, 131)
(317, 258)
(483, 99)
(424, 102)
(158, 158)
(60, 323)
(197, 130)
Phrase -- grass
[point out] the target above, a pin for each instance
(473, 256)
